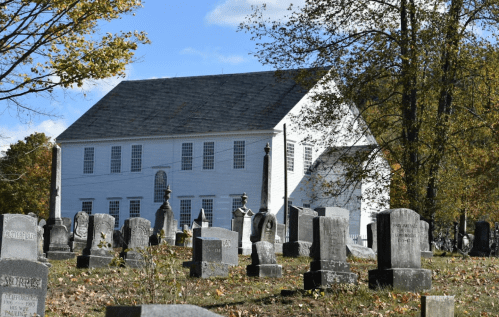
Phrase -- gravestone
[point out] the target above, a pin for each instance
(165, 222)
(98, 252)
(300, 232)
(136, 234)
(437, 306)
(19, 237)
(242, 225)
(481, 245)
(372, 241)
(66, 221)
(229, 243)
(56, 237)
(200, 221)
(329, 253)
(23, 287)
(424, 227)
(399, 252)
(263, 261)
(184, 238)
(118, 238)
(333, 212)
(80, 231)
(159, 311)
(360, 251)
(208, 260)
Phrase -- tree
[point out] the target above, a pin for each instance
(46, 44)
(423, 75)
(26, 170)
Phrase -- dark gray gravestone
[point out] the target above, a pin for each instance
(399, 252)
(424, 227)
(19, 234)
(23, 287)
(165, 222)
(263, 261)
(97, 253)
(208, 258)
(159, 311)
(229, 242)
(372, 241)
(80, 231)
(481, 245)
(437, 306)
(329, 251)
(300, 232)
(136, 233)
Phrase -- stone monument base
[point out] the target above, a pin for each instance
(209, 269)
(427, 254)
(411, 280)
(296, 248)
(92, 261)
(264, 270)
(244, 251)
(324, 279)
(60, 255)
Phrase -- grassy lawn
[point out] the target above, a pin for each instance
(85, 292)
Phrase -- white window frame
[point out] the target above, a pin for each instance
(307, 160)
(88, 169)
(115, 165)
(133, 213)
(186, 161)
(290, 156)
(239, 157)
(114, 210)
(185, 212)
(87, 203)
(139, 159)
(236, 203)
(208, 158)
(159, 190)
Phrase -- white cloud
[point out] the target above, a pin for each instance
(213, 55)
(51, 128)
(233, 12)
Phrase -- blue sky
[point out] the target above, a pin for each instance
(189, 38)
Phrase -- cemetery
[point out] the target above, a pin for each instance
(141, 270)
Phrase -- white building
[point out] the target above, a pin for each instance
(205, 137)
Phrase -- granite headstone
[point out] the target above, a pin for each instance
(300, 232)
(97, 253)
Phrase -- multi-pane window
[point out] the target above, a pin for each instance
(136, 163)
(239, 154)
(159, 186)
(307, 160)
(236, 203)
(186, 156)
(86, 206)
(208, 155)
(88, 160)
(185, 212)
(207, 205)
(290, 154)
(114, 210)
(134, 208)
(116, 159)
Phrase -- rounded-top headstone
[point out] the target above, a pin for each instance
(399, 243)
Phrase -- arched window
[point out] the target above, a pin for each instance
(159, 186)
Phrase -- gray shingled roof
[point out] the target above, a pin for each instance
(169, 106)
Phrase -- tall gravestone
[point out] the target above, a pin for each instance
(97, 253)
(242, 225)
(263, 261)
(329, 253)
(23, 280)
(399, 252)
(165, 222)
(300, 232)
(56, 237)
(372, 241)
(481, 246)
(424, 228)
(209, 257)
(136, 233)
(264, 222)
(80, 231)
